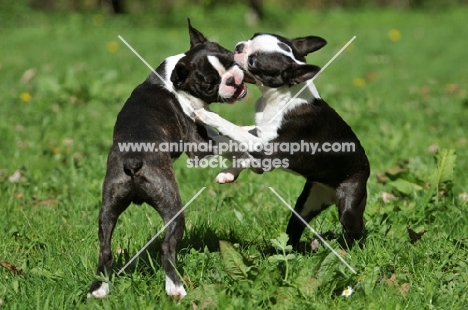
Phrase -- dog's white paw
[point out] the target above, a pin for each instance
(177, 291)
(101, 292)
(224, 177)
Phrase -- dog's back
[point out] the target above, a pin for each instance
(319, 124)
(150, 117)
(151, 114)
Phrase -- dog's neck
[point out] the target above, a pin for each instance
(275, 102)
(287, 97)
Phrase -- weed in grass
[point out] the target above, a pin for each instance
(281, 245)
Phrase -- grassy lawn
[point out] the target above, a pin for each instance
(401, 86)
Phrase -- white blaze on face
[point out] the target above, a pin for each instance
(226, 91)
(268, 44)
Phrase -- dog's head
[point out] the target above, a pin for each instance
(208, 71)
(275, 61)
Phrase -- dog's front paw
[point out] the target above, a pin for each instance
(225, 177)
(101, 292)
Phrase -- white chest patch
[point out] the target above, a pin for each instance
(275, 102)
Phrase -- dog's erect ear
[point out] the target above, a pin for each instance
(196, 37)
(300, 73)
(179, 74)
(307, 45)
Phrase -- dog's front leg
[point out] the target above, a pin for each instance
(240, 163)
(240, 160)
(228, 129)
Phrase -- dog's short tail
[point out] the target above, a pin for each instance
(132, 165)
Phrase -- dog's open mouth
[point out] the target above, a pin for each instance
(239, 94)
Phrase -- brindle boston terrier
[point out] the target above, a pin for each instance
(160, 112)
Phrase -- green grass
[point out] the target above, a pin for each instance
(412, 96)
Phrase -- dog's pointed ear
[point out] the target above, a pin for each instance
(196, 37)
(307, 45)
(179, 74)
(300, 73)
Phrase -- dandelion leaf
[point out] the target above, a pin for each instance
(404, 187)
(442, 179)
(233, 261)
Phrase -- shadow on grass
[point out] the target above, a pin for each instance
(205, 238)
(198, 238)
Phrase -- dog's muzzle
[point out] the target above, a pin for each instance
(240, 93)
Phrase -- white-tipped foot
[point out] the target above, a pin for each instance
(101, 292)
(223, 178)
(177, 291)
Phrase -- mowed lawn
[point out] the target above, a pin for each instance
(401, 85)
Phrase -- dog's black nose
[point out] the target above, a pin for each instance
(239, 48)
(231, 81)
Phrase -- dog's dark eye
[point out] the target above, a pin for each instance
(252, 60)
(211, 87)
(210, 80)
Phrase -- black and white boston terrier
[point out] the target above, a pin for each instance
(161, 112)
(285, 114)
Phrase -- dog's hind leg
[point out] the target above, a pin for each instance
(315, 198)
(163, 195)
(351, 202)
(115, 199)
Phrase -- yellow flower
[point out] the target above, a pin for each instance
(347, 292)
(349, 48)
(452, 88)
(98, 20)
(359, 82)
(25, 97)
(112, 46)
(394, 35)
